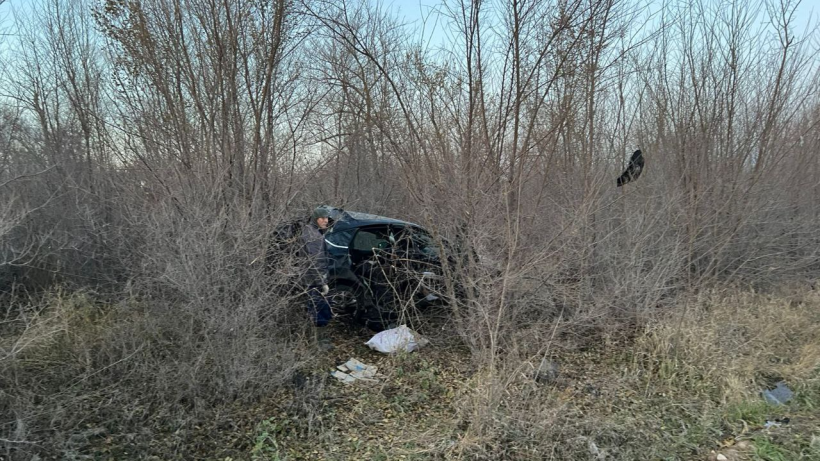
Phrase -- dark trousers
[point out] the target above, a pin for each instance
(318, 307)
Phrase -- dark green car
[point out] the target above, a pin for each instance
(379, 269)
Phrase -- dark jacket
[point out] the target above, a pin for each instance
(315, 255)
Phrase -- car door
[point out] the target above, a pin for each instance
(370, 255)
(420, 261)
(368, 243)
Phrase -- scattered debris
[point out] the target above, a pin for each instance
(354, 370)
(431, 276)
(633, 169)
(358, 369)
(324, 342)
(547, 372)
(776, 422)
(343, 377)
(779, 395)
(737, 452)
(595, 451)
(592, 390)
(397, 339)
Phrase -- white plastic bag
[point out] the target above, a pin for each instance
(397, 339)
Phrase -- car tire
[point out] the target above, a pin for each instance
(345, 301)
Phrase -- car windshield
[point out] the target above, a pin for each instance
(424, 243)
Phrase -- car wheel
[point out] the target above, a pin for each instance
(344, 301)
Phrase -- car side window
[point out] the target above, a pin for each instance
(422, 243)
(368, 240)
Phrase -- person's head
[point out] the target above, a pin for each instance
(320, 217)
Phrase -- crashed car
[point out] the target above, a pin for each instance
(379, 268)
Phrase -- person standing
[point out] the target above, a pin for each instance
(316, 273)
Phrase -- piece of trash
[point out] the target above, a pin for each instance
(343, 377)
(721, 457)
(353, 370)
(360, 370)
(397, 339)
(779, 395)
(595, 451)
(598, 453)
(777, 422)
(430, 275)
(547, 372)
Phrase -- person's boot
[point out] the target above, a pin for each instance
(323, 339)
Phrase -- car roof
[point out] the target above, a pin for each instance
(351, 219)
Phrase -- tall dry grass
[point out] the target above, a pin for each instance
(202, 324)
(692, 377)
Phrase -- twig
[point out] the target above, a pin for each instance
(24, 442)
(31, 175)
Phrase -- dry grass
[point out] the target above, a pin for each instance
(130, 379)
(80, 371)
(729, 342)
(689, 381)
(686, 387)
(679, 390)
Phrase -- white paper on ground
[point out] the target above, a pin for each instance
(360, 370)
(343, 377)
(353, 370)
